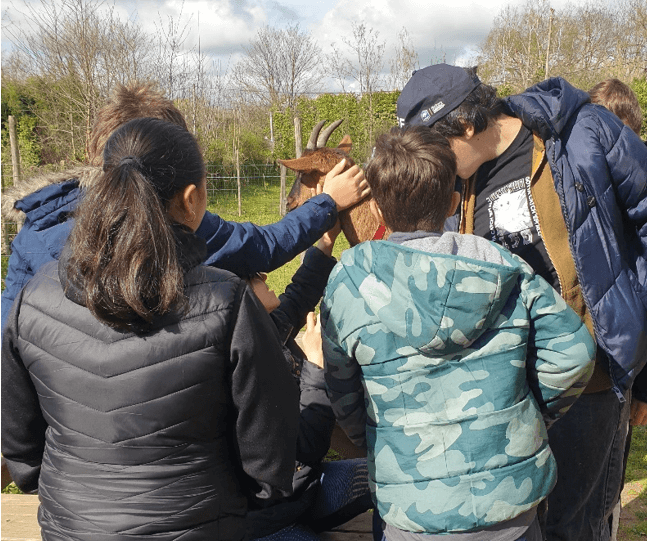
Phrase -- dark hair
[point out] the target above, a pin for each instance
(620, 100)
(478, 109)
(127, 103)
(123, 247)
(412, 175)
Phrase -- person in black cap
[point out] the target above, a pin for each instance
(563, 184)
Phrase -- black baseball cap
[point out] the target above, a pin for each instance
(433, 92)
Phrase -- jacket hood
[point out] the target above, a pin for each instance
(547, 107)
(85, 175)
(438, 303)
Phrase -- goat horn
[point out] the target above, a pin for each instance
(312, 142)
(323, 138)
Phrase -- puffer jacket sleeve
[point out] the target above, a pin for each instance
(561, 351)
(342, 373)
(23, 424)
(266, 403)
(245, 248)
(317, 419)
(627, 161)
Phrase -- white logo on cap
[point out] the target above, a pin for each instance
(437, 107)
(424, 115)
(400, 122)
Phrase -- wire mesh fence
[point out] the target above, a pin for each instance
(259, 186)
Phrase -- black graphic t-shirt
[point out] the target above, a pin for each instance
(505, 211)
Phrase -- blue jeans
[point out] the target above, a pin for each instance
(588, 444)
(343, 495)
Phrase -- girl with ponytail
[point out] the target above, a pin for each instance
(123, 247)
(144, 395)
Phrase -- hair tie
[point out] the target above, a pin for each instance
(131, 160)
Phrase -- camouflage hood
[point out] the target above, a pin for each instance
(440, 303)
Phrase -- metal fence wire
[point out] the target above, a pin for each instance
(222, 185)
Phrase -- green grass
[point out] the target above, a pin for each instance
(261, 207)
(5, 264)
(637, 463)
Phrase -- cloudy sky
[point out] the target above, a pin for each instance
(450, 29)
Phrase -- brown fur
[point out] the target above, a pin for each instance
(357, 222)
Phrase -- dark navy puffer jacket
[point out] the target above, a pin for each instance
(599, 168)
(165, 435)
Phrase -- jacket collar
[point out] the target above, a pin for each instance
(547, 107)
(24, 197)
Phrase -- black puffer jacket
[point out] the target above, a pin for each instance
(158, 436)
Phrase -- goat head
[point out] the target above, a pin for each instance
(357, 222)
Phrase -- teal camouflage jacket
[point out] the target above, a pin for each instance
(448, 369)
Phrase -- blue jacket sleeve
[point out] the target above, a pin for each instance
(245, 248)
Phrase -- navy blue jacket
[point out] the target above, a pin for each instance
(242, 248)
(599, 168)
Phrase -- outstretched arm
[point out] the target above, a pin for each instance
(246, 248)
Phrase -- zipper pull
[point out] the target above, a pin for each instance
(619, 394)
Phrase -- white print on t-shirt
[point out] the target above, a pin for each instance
(512, 214)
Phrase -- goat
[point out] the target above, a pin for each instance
(357, 222)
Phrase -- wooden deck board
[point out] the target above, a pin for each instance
(19, 522)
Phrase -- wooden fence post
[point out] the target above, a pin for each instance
(15, 152)
(282, 202)
(297, 136)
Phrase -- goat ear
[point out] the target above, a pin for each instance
(346, 144)
(305, 164)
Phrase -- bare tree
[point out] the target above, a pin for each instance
(404, 63)
(76, 51)
(174, 68)
(583, 43)
(365, 62)
(279, 66)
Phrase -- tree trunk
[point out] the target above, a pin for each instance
(240, 201)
